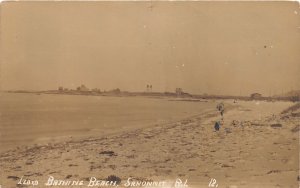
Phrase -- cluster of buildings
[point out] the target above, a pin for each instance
(177, 93)
(81, 88)
(85, 89)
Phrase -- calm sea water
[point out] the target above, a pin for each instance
(31, 118)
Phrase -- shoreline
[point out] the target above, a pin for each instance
(171, 95)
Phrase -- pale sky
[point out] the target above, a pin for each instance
(229, 48)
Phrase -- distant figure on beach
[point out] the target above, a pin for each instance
(217, 125)
(221, 109)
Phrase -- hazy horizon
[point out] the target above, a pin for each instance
(226, 48)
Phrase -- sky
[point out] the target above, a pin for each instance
(227, 48)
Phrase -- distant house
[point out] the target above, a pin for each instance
(62, 89)
(256, 96)
(82, 88)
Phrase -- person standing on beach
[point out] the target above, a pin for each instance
(217, 125)
(221, 109)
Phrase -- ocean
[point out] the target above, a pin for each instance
(27, 118)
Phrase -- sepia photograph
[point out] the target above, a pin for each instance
(156, 94)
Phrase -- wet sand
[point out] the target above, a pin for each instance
(257, 146)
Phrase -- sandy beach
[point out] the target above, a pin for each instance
(257, 146)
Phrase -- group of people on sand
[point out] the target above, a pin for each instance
(221, 109)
